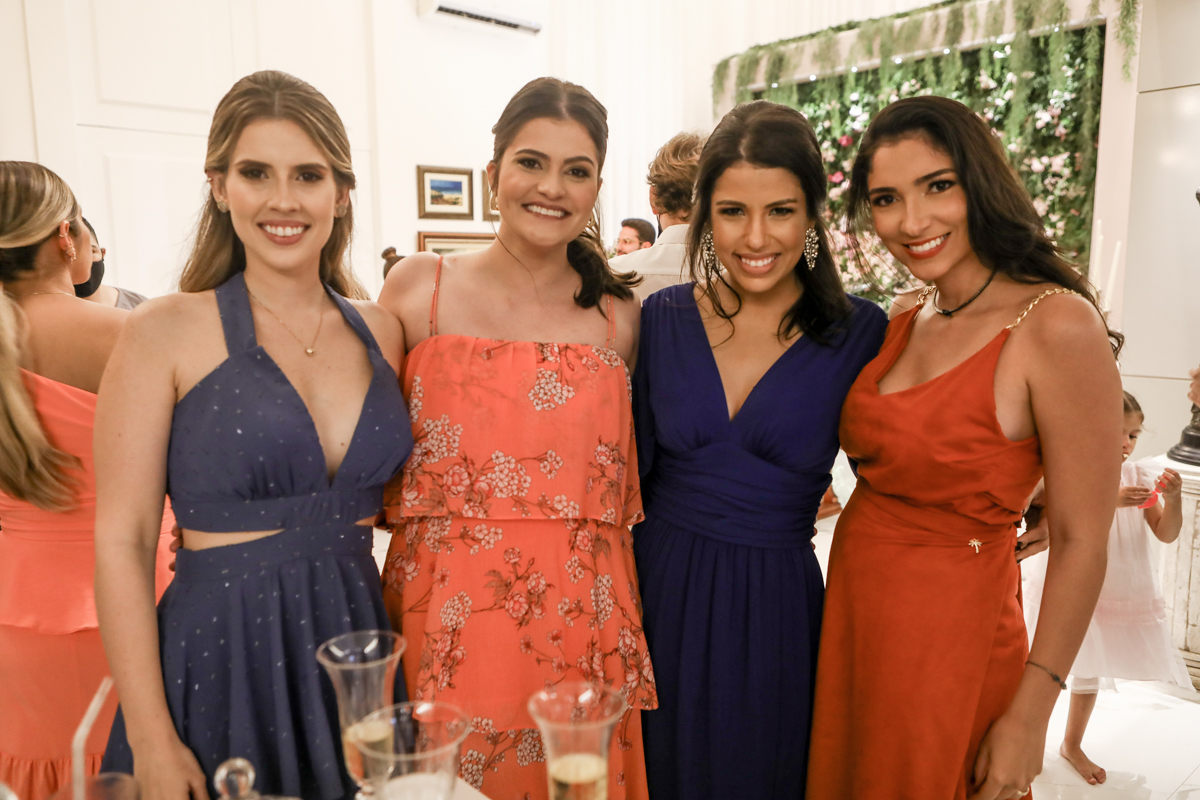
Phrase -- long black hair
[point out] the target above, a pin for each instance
(1004, 229)
(771, 135)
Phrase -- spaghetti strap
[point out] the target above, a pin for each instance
(1037, 300)
(612, 322)
(437, 281)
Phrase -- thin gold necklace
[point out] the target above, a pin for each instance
(320, 321)
(68, 294)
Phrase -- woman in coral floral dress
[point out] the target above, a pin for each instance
(512, 563)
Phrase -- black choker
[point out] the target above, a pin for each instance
(953, 311)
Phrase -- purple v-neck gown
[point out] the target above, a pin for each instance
(731, 589)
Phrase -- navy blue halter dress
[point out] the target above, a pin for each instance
(240, 624)
(731, 590)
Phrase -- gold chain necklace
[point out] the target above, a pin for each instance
(320, 321)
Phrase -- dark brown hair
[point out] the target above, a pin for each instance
(550, 98)
(672, 174)
(771, 135)
(1004, 228)
(645, 230)
(1131, 405)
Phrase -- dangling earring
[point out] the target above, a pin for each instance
(811, 243)
(70, 251)
(222, 206)
(708, 254)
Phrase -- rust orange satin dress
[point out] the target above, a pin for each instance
(51, 658)
(511, 566)
(923, 642)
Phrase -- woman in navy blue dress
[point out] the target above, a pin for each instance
(740, 381)
(264, 401)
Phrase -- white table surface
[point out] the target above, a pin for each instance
(463, 791)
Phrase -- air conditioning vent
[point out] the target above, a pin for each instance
(478, 15)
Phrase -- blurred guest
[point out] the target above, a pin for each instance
(635, 234)
(389, 259)
(94, 290)
(53, 349)
(671, 176)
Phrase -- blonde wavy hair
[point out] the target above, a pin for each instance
(218, 254)
(672, 173)
(33, 203)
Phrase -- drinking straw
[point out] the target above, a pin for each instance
(81, 735)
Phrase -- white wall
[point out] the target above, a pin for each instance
(1161, 298)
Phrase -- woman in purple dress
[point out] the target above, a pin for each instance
(740, 380)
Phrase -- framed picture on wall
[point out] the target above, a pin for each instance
(444, 193)
(445, 244)
(489, 214)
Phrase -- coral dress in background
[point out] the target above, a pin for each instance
(923, 643)
(1128, 637)
(511, 566)
(51, 658)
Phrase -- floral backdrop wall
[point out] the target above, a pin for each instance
(1040, 92)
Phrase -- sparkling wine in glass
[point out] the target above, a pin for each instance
(577, 720)
(362, 666)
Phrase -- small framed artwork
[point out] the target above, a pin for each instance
(489, 213)
(444, 193)
(445, 244)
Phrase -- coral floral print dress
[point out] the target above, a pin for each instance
(512, 564)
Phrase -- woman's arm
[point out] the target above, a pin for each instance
(133, 424)
(1075, 399)
(1166, 519)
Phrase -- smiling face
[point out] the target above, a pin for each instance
(919, 208)
(282, 195)
(547, 182)
(1131, 429)
(758, 225)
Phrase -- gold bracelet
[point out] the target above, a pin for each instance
(1061, 683)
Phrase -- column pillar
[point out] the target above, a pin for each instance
(1181, 571)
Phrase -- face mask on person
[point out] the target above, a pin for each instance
(90, 287)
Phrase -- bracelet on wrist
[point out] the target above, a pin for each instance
(1062, 685)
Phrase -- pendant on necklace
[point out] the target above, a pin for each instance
(310, 351)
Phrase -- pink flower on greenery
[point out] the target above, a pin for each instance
(837, 177)
(845, 141)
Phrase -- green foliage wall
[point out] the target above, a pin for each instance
(1040, 92)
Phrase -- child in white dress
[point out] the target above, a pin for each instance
(1128, 636)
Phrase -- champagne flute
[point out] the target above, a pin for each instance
(362, 666)
(577, 720)
(411, 751)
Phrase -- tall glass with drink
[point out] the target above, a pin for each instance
(362, 666)
(577, 720)
(411, 751)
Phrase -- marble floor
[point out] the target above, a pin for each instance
(1145, 735)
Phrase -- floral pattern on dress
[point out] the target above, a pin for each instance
(511, 563)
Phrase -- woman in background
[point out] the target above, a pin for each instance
(740, 379)
(94, 288)
(264, 397)
(53, 350)
(925, 685)
(511, 566)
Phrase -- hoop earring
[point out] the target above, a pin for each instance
(493, 202)
(708, 254)
(811, 246)
(222, 206)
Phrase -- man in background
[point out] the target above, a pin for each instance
(636, 234)
(672, 177)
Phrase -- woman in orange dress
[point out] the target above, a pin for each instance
(53, 349)
(512, 565)
(925, 685)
